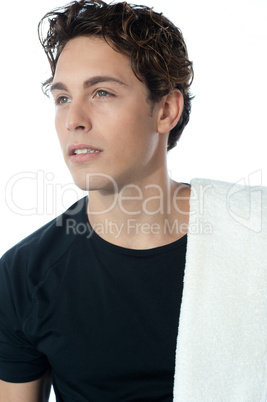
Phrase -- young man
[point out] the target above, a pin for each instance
(92, 300)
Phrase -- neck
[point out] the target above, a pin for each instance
(141, 216)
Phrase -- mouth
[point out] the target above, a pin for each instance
(83, 153)
(82, 149)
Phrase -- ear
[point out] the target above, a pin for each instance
(170, 111)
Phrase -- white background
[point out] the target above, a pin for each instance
(226, 136)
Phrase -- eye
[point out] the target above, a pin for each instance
(61, 100)
(101, 93)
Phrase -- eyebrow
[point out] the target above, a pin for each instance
(89, 83)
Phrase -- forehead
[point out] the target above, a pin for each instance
(90, 55)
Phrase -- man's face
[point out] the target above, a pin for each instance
(106, 126)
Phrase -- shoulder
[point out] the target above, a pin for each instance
(30, 263)
(240, 193)
(46, 245)
(240, 206)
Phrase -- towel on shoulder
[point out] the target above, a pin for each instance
(221, 351)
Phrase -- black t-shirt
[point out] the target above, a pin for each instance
(103, 318)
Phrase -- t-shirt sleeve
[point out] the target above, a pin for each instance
(20, 361)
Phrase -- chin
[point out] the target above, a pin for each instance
(96, 182)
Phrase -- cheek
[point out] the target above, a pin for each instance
(142, 132)
(60, 128)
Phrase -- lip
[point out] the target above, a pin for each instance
(83, 157)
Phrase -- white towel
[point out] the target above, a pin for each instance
(221, 351)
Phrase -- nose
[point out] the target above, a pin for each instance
(78, 118)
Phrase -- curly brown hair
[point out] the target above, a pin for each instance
(154, 45)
